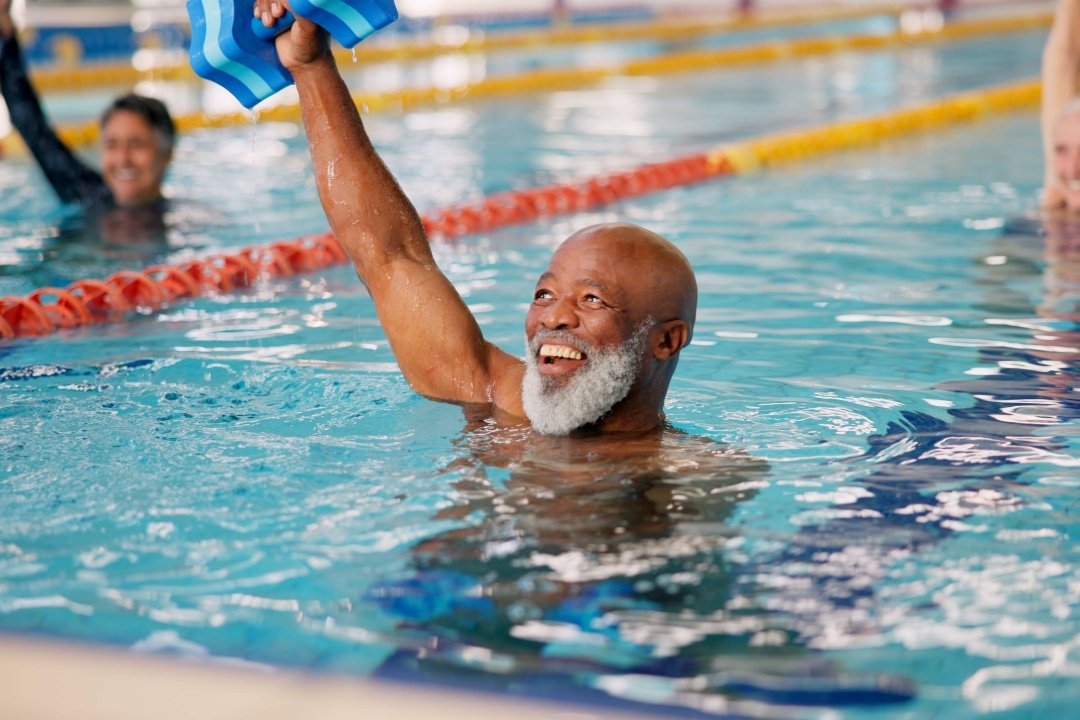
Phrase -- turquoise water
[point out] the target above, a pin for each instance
(867, 510)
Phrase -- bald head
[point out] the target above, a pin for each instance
(604, 330)
(654, 276)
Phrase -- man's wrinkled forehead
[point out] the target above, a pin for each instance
(586, 267)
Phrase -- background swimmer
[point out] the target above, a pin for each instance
(1060, 115)
(137, 139)
(120, 206)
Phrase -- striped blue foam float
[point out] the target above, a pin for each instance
(232, 48)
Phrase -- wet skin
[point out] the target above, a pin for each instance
(562, 473)
(602, 284)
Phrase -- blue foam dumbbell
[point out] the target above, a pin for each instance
(235, 50)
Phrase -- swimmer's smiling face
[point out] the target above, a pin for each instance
(133, 159)
(580, 307)
(607, 321)
(585, 338)
(1067, 158)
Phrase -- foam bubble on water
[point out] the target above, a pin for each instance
(98, 558)
(11, 605)
(920, 320)
(32, 371)
(1003, 699)
(160, 529)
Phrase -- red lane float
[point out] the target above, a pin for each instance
(67, 311)
(138, 290)
(104, 301)
(526, 205)
(174, 282)
(270, 261)
(24, 317)
(88, 301)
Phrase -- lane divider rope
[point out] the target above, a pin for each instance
(120, 295)
(551, 79)
(667, 29)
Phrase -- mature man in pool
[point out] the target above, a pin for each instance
(608, 317)
(137, 138)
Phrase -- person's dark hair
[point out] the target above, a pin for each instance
(149, 109)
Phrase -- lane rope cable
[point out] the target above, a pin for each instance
(116, 298)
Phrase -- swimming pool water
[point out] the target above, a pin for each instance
(869, 511)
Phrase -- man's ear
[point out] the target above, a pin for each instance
(675, 335)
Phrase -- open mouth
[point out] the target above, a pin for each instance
(125, 174)
(560, 358)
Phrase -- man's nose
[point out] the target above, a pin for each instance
(560, 314)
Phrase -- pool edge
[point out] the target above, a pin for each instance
(57, 679)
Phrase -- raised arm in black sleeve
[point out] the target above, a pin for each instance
(72, 179)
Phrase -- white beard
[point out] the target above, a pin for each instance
(604, 380)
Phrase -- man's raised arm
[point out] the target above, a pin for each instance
(435, 338)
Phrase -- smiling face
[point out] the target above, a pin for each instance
(611, 310)
(1067, 157)
(581, 306)
(133, 158)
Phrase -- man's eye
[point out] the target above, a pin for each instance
(542, 295)
(592, 299)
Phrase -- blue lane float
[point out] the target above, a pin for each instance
(231, 47)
